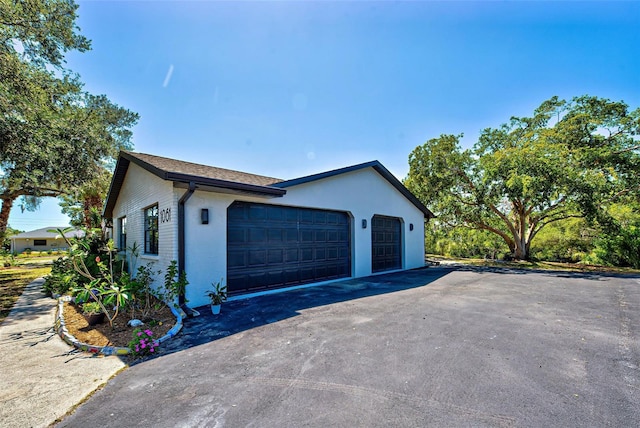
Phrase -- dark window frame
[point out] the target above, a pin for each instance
(122, 233)
(39, 242)
(151, 233)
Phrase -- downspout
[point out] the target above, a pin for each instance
(181, 247)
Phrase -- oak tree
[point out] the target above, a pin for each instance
(569, 159)
(54, 136)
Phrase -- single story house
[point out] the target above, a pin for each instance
(42, 240)
(260, 233)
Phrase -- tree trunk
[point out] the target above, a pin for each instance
(93, 201)
(7, 204)
(521, 250)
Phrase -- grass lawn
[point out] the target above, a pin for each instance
(523, 264)
(14, 279)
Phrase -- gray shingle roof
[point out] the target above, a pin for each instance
(194, 169)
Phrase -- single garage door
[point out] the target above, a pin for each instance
(386, 248)
(271, 246)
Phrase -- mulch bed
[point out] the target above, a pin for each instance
(160, 322)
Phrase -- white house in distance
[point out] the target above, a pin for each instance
(259, 233)
(42, 240)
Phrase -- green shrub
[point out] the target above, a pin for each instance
(62, 278)
(91, 308)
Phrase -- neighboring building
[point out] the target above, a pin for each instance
(42, 240)
(260, 233)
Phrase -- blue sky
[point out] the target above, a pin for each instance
(288, 89)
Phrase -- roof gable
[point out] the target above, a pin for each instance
(376, 166)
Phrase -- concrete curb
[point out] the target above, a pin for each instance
(61, 330)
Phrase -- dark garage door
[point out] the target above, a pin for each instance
(272, 246)
(386, 249)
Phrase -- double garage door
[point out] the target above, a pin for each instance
(271, 246)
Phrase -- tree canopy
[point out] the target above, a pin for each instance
(569, 159)
(54, 136)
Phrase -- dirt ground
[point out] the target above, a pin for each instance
(160, 322)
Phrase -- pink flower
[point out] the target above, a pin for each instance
(149, 332)
(139, 333)
(143, 345)
(98, 259)
(151, 350)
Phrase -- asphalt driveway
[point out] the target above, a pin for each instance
(431, 347)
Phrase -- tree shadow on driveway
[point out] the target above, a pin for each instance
(246, 314)
(511, 270)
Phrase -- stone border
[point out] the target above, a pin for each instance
(62, 331)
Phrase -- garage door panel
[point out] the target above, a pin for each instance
(291, 255)
(257, 258)
(275, 235)
(306, 216)
(273, 246)
(236, 235)
(236, 259)
(275, 212)
(386, 246)
(291, 235)
(306, 254)
(257, 235)
(275, 256)
(291, 277)
(276, 277)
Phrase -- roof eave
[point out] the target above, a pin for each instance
(223, 184)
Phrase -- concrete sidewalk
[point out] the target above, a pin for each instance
(41, 377)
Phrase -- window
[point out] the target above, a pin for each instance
(122, 230)
(151, 230)
(39, 242)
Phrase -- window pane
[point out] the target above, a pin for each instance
(122, 226)
(151, 230)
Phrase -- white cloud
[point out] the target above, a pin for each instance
(167, 78)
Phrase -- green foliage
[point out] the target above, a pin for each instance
(84, 205)
(463, 242)
(6, 240)
(63, 278)
(54, 136)
(174, 284)
(141, 290)
(622, 249)
(90, 308)
(103, 282)
(619, 242)
(569, 160)
(564, 241)
(46, 29)
(218, 294)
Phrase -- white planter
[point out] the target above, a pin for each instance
(215, 309)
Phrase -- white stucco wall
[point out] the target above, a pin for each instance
(18, 245)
